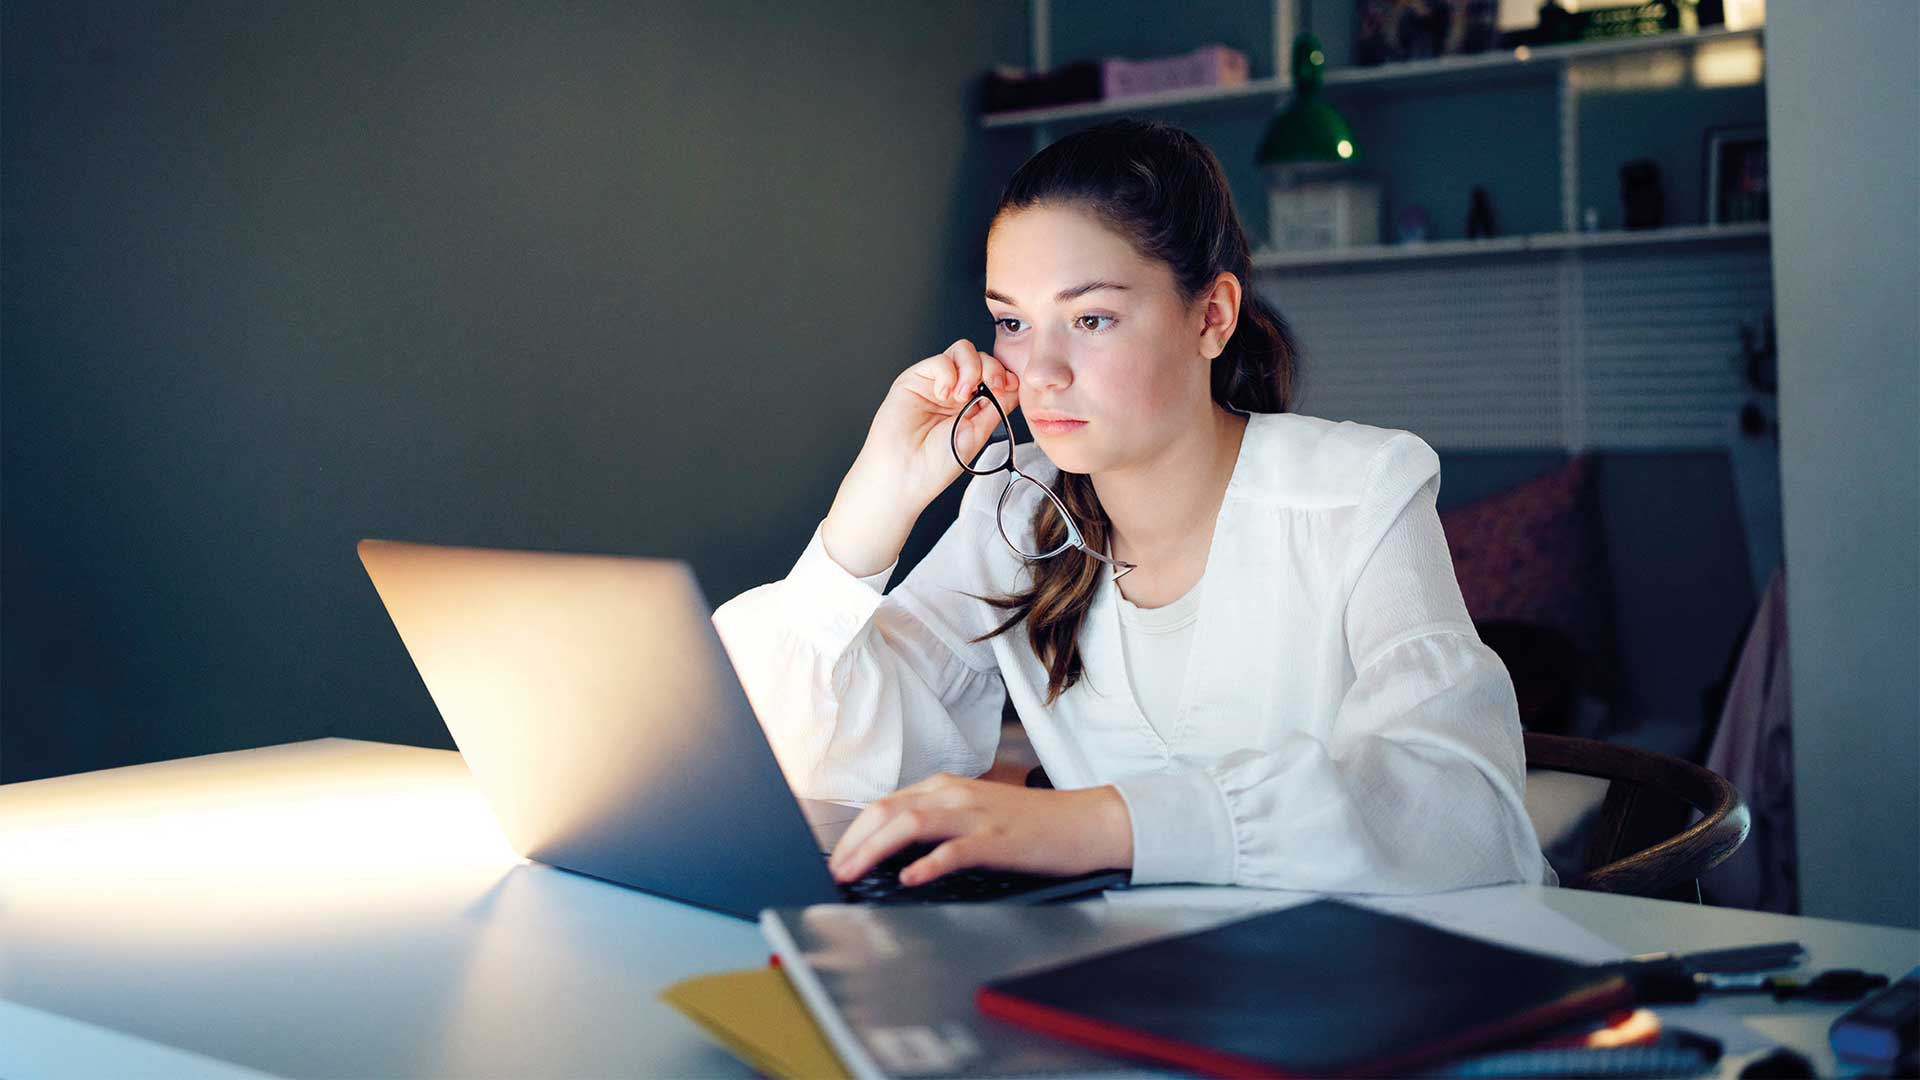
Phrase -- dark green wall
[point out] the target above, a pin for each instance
(598, 277)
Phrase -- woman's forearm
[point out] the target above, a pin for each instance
(1109, 824)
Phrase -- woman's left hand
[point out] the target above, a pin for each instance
(1033, 830)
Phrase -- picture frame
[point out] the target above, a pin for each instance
(1736, 175)
(1391, 31)
(1394, 31)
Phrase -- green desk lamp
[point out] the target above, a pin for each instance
(1308, 131)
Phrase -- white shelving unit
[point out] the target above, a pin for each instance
(1510, 245)
(1509, 342)
(1544, 60)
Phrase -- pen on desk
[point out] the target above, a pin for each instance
(1770, 957)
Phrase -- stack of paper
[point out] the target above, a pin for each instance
(758, 1018)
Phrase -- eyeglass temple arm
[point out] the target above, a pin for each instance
(1073, 535)
(1123, 567)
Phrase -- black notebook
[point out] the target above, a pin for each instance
(1322, 989)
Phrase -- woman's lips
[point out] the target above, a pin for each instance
(1056, 427)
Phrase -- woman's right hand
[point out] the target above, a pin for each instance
(914, 425)
(908, 459)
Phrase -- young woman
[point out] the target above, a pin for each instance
(1284, 690)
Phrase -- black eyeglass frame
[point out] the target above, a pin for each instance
(1074, 539)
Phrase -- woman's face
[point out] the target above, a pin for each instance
(1125, 356)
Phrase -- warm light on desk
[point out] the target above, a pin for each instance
(413, 832)
(249, 836)
(331, 908)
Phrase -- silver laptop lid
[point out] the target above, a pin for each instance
(597, 709)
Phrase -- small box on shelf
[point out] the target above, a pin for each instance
(1319, 212)
(1209, 65)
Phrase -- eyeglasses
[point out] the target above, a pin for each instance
(1021, 489)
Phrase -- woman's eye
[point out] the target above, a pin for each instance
(1003, 323)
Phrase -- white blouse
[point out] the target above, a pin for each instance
(1339, 726)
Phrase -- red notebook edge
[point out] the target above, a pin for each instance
(1102, 1035)
(1614, 992)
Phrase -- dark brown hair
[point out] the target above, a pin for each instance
(1164, 191)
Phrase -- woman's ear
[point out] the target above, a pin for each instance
(1219, 314)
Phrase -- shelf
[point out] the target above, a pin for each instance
(1508, 245)
(1494, 62)
(1198, 95)
(1543, 56)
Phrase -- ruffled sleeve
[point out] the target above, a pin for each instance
(862, 692)
(1417, 784)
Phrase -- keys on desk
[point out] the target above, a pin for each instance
(1842, 984)
(1680, 977)
(1669, 982)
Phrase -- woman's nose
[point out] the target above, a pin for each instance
(1046, 368)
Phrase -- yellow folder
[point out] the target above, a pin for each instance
(759, 1019)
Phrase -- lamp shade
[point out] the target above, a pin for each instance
(1308, 130)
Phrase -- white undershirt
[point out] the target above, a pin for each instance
(1156, 643)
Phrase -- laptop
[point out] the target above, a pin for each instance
(596, 707)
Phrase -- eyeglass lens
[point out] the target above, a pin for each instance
(997, 452)
(1018, 505)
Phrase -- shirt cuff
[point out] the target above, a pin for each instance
(1182, 829)
(828, 599)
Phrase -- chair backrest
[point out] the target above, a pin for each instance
(1666, 867)
(1619, 858)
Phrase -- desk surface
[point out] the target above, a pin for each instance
(347, 908)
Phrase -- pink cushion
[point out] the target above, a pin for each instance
(1533, 554)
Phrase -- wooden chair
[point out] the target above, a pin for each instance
(1640, 843)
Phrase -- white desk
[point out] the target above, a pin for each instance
(345, 908)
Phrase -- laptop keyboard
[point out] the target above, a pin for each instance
(881, 885)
